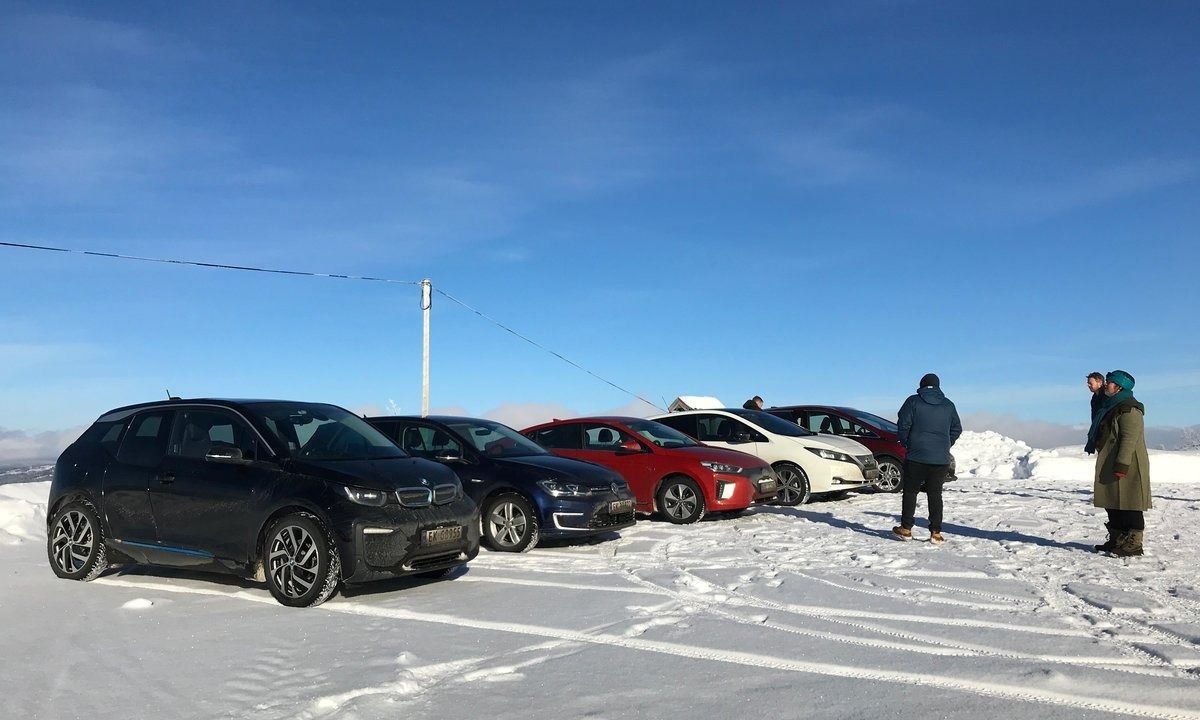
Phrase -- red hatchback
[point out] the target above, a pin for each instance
(667, 470)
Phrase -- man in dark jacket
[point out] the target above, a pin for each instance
(754, 403)
(929, 425)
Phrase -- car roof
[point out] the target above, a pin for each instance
(442, 419)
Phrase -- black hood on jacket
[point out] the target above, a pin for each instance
(932, 395)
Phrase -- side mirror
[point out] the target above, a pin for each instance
(449, 455)
(226, 455)
(629, 447)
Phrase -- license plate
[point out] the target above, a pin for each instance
(437, 536)
(620, 506)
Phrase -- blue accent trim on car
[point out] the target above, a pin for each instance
(168, 548)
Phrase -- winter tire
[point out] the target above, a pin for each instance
(680, 501)
(794, 487)
(75, 542)
(891, 475)
(509, 523)
(302, 565)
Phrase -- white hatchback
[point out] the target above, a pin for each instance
(807, 463)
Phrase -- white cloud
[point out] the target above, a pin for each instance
(19, 445)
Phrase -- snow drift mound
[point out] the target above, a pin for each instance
(989, 454)
(992, 455)
(23, 512)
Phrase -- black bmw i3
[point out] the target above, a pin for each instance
(302, 496)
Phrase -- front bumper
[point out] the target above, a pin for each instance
(575, 516)
(386, 542)
(737, 492)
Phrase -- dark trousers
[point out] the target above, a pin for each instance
(1126, 520)
(919, 477)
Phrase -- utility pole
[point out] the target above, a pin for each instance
(426, 304)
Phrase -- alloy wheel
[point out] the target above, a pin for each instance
(889, 476)
(680, 501)
(72, 542)
(793, 486)
(293, 561)
(507, 523)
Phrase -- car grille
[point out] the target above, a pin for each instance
(604, 520)
(415, 497)
(443, 494)
(433, 561)
(385, 550)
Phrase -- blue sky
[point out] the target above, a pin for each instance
(809, 203)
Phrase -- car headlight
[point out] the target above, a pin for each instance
(720, 467)
(830, 454)
(558, 488)
(364, 496)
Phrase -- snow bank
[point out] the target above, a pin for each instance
(992, 455)
(1072, 464)
(989, 454)
(23, 512)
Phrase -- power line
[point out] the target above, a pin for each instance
(538, 345)
(220, 266)
(275, 271)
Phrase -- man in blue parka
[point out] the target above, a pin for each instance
(929, 425)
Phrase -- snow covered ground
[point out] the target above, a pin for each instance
(780, 612)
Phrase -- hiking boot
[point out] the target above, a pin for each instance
(1114, 535)
(902, 532)
(1129, 544)
(936, 538)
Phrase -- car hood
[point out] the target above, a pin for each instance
(562, 468)
(384, 474)
(834, 442)
(722, 455)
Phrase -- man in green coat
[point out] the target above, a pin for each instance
(1122, 486)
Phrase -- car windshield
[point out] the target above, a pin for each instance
(324, 432)
(772, 423)
(661, 435)
(874, 421)
(495, 440)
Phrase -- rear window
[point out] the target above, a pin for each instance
(106, 435)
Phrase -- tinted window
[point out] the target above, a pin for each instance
(605, 437)
(685, 424)
(560, 437)
(719, 428)
(146, 441)
(104, 434)
(198, 431)
(427, 442)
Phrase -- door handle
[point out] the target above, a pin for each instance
(166, 479)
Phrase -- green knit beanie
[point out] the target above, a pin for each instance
(1120, 377)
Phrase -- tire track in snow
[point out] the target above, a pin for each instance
(731, 657)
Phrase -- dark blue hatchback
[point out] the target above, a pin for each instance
(523, 491)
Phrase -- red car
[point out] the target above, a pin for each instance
(666, 470)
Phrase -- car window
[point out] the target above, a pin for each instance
(199, 430)
(106, 435)
(598, 436)
(145, 442)
(771, 423)
(661, 434)
(559, 437)
(427, 442)
(719, 428)
(324, 432)
(495, 440)
(685, 424)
